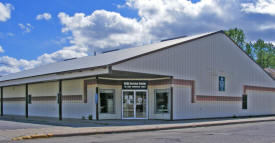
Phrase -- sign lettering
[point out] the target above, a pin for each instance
(134, 85)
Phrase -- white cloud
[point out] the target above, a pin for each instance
(10, 34)
(65, 53)
(60, 40)
(1, 49)
(166, 18)
(157, 19)
(260, 6)
(46, 16)
(12, 65)
(5, 11)
(103, 29)
(267, 27)
(27, 28)
(149, 9)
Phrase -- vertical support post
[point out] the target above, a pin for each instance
(60, 99)
(2, 110)
(97, 116)
(27, 102)
(147, 103)
(96, 98)
(172, 104)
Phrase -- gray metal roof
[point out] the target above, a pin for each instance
(271, 72)
(99, 60)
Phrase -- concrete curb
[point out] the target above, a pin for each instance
(147, 128)
(35, 136)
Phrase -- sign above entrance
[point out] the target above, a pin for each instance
(134, 85)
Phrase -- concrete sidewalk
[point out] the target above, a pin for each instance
(63, 131)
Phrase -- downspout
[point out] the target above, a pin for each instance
(60, 99)
(171, 100)
(96, 98)
(27, 101)
(2, 110)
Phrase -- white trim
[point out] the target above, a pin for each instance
(146, 91)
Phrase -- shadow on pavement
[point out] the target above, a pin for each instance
(101, 123)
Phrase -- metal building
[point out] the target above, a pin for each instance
(201, 76)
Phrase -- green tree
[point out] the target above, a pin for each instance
(265, 53)
(260, 51)
(249, 49)
(238, 36)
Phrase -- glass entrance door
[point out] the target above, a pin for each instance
(141, 102)
(128, 104)
(134, 104)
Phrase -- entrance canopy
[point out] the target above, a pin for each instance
(103, 73)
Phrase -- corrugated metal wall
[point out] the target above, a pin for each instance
(203, 61)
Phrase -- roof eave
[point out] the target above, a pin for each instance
(80, 73)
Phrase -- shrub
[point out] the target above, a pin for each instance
(90, 117)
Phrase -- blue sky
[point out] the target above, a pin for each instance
(33, 33)
(45, 34)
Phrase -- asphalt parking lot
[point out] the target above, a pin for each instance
(263, 132)
(11, 125)
(20, 122)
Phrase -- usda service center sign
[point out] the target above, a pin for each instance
(134, 85)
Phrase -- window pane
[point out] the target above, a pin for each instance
(162, 101)
(106, 101)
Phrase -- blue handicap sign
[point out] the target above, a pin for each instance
(221, 83)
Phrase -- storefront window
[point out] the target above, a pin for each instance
(162, 100)
(107, 103)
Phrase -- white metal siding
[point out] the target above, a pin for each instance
(184, 109)
(14, 107)
(204, 60)
(43, 108)
(261, 103)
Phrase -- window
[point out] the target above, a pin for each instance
(107, 104)
(221, 83)
(244, 101)
(162, 100)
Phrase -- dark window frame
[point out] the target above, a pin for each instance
(168, 90)
(114, 102)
